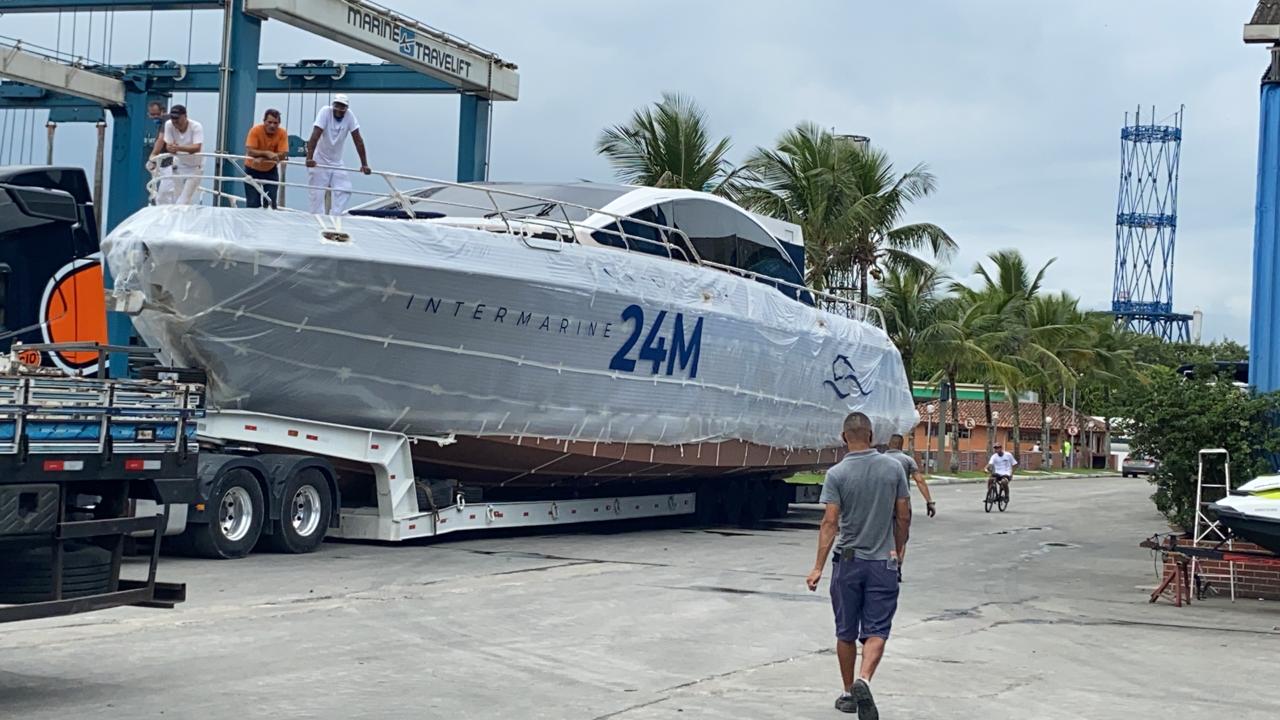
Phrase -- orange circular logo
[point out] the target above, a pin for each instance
(30, 358)
(74, 309)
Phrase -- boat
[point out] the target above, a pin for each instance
(571, 334)
(1252, 512)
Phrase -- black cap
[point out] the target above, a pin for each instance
(178, 110)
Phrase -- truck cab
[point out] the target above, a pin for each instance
(51, 284)
(78, 453)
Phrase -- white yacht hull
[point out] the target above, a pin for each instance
(576, 352)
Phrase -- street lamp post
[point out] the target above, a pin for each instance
(928, 436)
(1089, 429)
(1045, 452)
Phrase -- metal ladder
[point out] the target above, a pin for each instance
(1209, 532)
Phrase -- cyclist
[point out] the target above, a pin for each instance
(1001, 467)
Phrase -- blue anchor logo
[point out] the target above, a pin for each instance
(842, 377)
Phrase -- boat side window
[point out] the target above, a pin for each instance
(730, 237)
(641, 235)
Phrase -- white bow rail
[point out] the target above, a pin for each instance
(550, 221)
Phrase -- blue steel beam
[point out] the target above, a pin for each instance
(238, 90)
(1264, 326)
(363, 78)
(473, 139)
(37, 6)
(127, 194)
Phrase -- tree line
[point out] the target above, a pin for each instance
(1004, 331)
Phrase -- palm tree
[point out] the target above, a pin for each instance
(1006, 291)
(1113, 361)
(848, 202)
(807, 179)
(669, 145)
(909, 299)
(957, 343)
(877, 242)
(1056, 345)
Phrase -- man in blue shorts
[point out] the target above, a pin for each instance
(869, 505)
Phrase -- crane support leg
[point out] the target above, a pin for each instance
(473, 139)
(239, 85)
(1264, 338)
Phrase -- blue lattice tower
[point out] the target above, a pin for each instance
(1146, 226)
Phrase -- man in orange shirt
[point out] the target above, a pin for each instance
(266, 145)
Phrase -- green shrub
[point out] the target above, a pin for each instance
(1174, 417)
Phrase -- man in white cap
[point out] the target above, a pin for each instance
(324, 156)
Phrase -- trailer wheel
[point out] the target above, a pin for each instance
(780, 495)
(733, 498)
(27, 575)
(237, 511)
(755, 504)
(706, 505)
(305, 510)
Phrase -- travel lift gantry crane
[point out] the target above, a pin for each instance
(426, 60)
(397, 505)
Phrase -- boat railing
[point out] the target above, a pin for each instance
(533, 219)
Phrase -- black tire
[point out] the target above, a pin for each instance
(209, 539)
(706, 509)
(1002, 501)
(989, 501)
(780, 495)
(306, 506)
(733, 494)
(755, 503)
(27, 575)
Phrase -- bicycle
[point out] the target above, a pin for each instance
(997, 493)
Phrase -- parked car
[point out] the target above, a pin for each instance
(1134, 466)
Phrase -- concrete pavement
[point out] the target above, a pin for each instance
(1039, 612)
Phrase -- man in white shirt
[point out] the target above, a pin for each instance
(180, 175)
(1001, 466)
(324, 156)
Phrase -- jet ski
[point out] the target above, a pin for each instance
(1252, 512)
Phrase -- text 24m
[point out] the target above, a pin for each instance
(683, 354)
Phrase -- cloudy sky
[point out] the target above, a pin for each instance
(1016, 106)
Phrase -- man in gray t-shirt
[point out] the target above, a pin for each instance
(865, 485)
(913, 472)
(868, 504)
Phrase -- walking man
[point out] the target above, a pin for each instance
(868, 504)
(266, 145)
(324, 156)
(180, 176)
(913, 471)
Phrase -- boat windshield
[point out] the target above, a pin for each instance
(720, 234)
(480, 200)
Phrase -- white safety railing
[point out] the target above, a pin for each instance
(532, 217)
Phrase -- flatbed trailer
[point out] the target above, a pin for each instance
(288, 483)
(406, 507)
(1184, 581)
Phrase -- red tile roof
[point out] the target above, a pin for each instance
(1029, 414)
